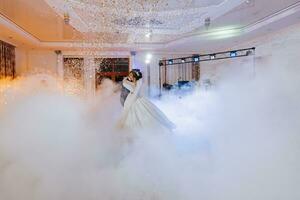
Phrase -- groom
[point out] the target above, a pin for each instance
(125, 91)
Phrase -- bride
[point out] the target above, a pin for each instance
(138, 111)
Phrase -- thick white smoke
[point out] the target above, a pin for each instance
(237, 141)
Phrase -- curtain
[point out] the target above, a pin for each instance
(7, 60)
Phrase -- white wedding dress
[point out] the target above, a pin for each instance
(140, 113)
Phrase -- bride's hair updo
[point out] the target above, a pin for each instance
(136, 74)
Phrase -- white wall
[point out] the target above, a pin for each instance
(274, 52)
(21, 57)
(21, 61)
(42, 60)
(30, 61)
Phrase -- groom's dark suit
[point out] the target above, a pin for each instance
(124, 94)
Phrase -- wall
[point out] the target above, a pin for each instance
(42, 60)
(31, 61)
(140, 59)
(21, 57)
(21, 61)
(274, 52)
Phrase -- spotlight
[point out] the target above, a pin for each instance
(161, 63)
(248, 53)
(66, 18)
(149, 34)
(212, 56)
(196, 58)
(170, 62)
(183, 60)
(148, 56)
(233, 54)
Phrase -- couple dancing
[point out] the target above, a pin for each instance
(139, 112)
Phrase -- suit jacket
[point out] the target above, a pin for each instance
(124, 94)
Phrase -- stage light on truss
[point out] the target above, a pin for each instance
(249, 52)
(170, 62)
(212, 56)
(196, 58)
(147, 61)
(183, 60)
(233, 54)
(161, 63)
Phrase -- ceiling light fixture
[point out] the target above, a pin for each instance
(207, 22)
(149, 56)
(148, 35)
(66, 18)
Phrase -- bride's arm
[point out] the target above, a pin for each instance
(128, 85)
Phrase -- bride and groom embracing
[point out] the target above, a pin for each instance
(139, 112)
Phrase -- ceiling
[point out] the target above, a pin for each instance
(140, 24)
(38, 19)
(171, 17)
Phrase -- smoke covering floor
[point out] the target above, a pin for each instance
(237, 141)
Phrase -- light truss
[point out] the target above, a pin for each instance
(196, 59)
(208, 57)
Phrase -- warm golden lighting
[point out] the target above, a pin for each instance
(11, 90)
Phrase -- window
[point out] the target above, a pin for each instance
(112, 68)
(7, 60)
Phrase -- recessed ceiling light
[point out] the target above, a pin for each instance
(148, 35)
(66, 18)
(149, 56)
